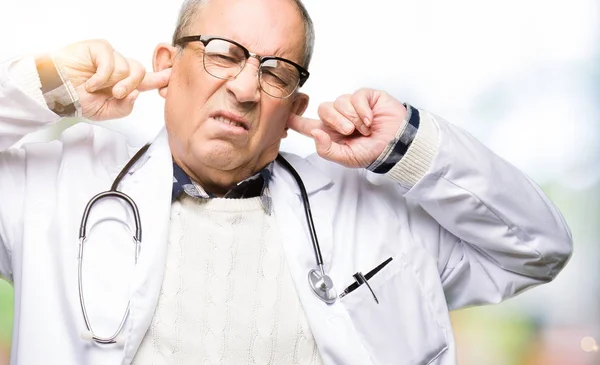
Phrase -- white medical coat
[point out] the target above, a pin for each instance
(472, 230)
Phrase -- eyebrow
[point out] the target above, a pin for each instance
(278, 52)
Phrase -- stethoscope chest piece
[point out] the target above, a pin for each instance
(322, 285)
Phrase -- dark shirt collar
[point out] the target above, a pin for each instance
(256, 185)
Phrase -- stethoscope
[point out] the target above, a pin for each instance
(320, 283)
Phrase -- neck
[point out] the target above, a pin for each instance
(216, 181)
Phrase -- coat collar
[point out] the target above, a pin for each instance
(313, 179)
(149, 184)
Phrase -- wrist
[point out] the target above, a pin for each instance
(59, 94)
(399, 144)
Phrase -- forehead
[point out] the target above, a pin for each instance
(265, 27)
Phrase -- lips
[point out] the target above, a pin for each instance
(231, 119)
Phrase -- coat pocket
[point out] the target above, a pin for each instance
(403, 328)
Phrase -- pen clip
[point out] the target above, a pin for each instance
(360, 279)
(366, 277)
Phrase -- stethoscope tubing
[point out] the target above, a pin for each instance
(307, 210)
(137, 239)
(320, 283)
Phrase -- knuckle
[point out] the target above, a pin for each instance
(360, 96)
(103, 43)
(341, 123)
(338, 103)
(137, 69)
(120, 74)
(357, 96)
(133, 64)
(342, 103)
(324, 108)
(343, 99)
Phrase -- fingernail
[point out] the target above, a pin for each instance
(119, 92)
(90, 87)
(364, 130)
(348, 127)
(367, 122)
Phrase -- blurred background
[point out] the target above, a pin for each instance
(523, 76)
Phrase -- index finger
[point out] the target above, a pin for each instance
(303, 125)
(155, 80)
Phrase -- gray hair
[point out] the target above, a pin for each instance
(190, 8)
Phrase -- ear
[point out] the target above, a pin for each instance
(299, 106)
(163, 58)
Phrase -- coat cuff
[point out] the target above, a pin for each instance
(59, 93)
(420, 155)
(42, 80)
(408, 157)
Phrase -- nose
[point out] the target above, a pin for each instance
(245, 85)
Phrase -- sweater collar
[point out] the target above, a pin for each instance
(256, 185)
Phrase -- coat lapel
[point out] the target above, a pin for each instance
(330, 324)
(149, 183)
(313, 181)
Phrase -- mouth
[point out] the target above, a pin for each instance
(231, 119)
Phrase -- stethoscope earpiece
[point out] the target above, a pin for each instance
(89, 336)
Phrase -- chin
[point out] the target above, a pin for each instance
(218, 154)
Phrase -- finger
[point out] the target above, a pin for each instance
(102, 56)
(155, 80)
(361, 102)
(117, 108)
(325, 147)
(124, 87)
(303, 125)
(334, 119)
(345, 107)
(120, 71)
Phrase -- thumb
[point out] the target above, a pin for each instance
(325, 147)
(155, 80)
(114, 108)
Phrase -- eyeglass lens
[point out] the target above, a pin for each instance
(225, 60)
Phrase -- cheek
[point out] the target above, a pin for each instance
(274, 120)
(187, 98)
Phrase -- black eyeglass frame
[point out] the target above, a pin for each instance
(205, 39)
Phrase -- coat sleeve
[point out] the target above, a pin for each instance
(497, 233)
(22, 111)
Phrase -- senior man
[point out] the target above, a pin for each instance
(413, 216)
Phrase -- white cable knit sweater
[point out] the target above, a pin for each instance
(227, 295)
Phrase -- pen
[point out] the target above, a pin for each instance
(360, 279)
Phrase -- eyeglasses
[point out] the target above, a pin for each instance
(225, 59)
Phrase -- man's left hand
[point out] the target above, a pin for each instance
(355, 129)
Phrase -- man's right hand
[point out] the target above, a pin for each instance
(106, 82)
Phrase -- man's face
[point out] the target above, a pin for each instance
(198, 104)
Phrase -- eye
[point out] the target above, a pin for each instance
(222, 58)
(272, 77)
